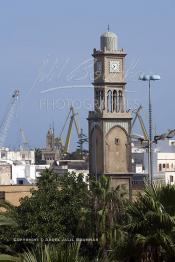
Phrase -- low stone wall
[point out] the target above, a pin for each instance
(13, 193)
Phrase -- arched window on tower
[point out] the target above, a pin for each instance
(109, 101)
(96, 99)
(120, 101)
(101, 100)
(114, 101)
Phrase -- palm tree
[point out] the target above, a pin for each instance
(149, 232)
(107, 210)
(58, 253)
(166, 196)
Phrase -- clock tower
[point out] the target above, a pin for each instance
(110, 122)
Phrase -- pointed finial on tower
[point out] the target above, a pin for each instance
(108, 28)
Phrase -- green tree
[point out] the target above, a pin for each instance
(38, 157)
(149, 231)
(74, 198)
(39, 216)
(6, 222)
(54, 208)
(64, 206)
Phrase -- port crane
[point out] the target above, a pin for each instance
(6, 121)
(170, 134)
(145, 138)
(81, 137)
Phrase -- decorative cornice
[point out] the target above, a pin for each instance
(118, 54)
(108, 83)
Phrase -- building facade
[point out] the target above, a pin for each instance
(27, 156)
(53, 149)
(110, 122)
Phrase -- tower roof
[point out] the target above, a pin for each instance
(50, 132)
(109, 34)
(108, 42)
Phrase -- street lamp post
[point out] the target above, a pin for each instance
(150, 78)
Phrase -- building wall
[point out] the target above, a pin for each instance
(23, 171)
(13, 193)
(139, 168)
(170, 178)
(165, 162)
(22, 156)
(5, 174)
(19, 155)
(116, 151)
(119, 77)
(97, 150)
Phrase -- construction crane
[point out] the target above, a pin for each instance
(81, 137)
(72, 116)
(170, 134)
(145, 137)
(5, 124)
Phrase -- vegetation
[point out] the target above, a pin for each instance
(58, 253)
(65, 212)
(149, 231)
(38, 157)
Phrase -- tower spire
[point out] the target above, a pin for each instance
(108, 28)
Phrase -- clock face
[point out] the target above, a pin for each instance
(114, 66)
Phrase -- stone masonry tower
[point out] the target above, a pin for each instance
(110, 123)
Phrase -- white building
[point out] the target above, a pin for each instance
(164, 156)
(18, 155)
(26, 173)
(138, 158)
(163, 161)
(19, 172)
(170, 178)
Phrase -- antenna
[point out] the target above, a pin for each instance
(108, 28)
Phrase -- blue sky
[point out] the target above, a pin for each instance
(48, 44)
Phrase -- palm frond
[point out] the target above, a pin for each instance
(6, 258)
